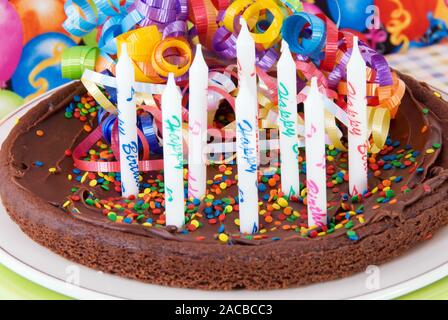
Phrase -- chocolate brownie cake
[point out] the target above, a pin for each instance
(81, 216)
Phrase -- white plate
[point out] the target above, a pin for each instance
(419, 267)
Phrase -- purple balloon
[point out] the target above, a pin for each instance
(11, 37)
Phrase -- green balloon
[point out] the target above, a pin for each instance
(9, 101)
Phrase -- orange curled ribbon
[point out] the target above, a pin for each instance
(160, 63)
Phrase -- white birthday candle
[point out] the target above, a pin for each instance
(315, 157)
(197, 123)
(357, 124)
(247, 158)
(127, 125)
(173, 162)
(287, 109)
(246, 57)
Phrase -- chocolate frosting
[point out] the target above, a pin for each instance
(62, 134)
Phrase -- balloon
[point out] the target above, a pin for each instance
(351, 14)
(40, 16)
(11, 35)
(417, 10)
(9, 101)
(311, 8)
(39, 69)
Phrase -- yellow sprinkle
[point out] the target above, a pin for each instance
(263, 231)
(92, 152)
(147, 224)
(338, 226)
(237, 221)
(227, 172)
(228, 209)
(210, 197)
(195, 223)
(223, 237)
(330, 158)
(437, 94)
(282, 202)
(119, 219)
(276, 206)
(296, 213)
(69, 177)
(223, 185)
(375, 190)
(386, 189)
(93, 183)
(430, 150)
(84, 177)
(262, 212)
(66, 204)
(107, 207)
(303, 192)
(331, 147)
(52, 170)
(321, 234)
(361, 219)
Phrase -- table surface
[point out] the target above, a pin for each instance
(427, 64)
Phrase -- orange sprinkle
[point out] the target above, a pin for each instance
(268, 219)
(424, 129)
(40, 133)
(286, 227)
(272, 182)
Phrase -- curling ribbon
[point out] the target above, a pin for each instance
(76, 59)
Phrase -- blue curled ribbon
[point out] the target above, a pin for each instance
(83, 17)
(144, 122)
(299, 26)
(79, 24)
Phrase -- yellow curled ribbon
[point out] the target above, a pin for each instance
(141, 44)
(250, 11)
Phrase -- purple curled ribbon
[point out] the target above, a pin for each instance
(170, 15)
(373, 59)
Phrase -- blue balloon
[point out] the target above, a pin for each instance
(39, 69)
(351, 14)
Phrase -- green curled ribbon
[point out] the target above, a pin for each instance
(77, 59)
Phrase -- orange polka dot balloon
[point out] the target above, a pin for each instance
(40, 16)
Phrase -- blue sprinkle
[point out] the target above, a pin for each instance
(275, 238)
(221, 228)
(76, 171)
(127, 220)
(196, 202)
(387, 166)
(76, 98)
(262, 187)
(38, 163)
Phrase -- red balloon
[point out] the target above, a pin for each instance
(40, 16)
(417, 9)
